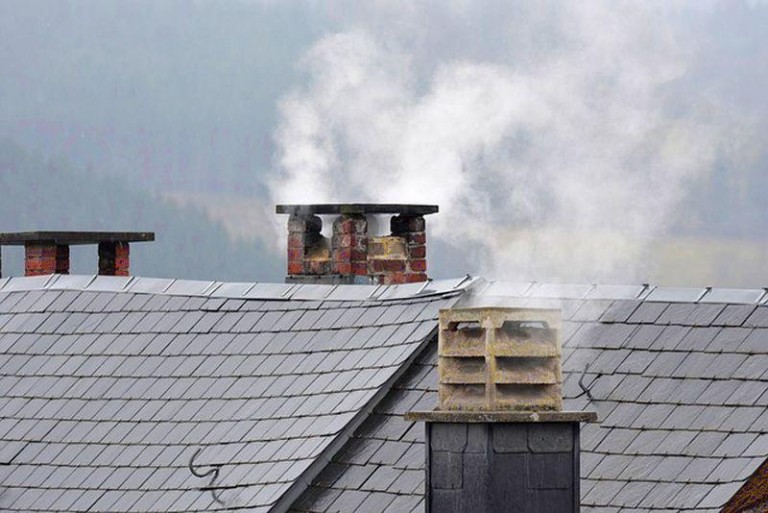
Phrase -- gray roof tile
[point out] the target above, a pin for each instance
(670, 430)
(758, 319)
(171, 362)
(734, 315)
(647, 313)
(242, 380)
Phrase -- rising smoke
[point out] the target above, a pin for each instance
(561, 151)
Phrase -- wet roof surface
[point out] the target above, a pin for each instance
(108, 394)
(680, 388)
(111, 384)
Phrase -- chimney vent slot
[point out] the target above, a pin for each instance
(514, 353)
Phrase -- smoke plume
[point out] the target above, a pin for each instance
(560, 150)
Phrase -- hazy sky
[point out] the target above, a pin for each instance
(221, 97)
(182, 93)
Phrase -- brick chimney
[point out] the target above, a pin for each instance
(48, 252)
(499, 440)
(352, 254)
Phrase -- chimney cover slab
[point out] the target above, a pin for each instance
(73, 238)
(357, 208)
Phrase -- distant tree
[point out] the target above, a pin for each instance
(39, 194)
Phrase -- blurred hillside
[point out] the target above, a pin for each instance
(43, 194)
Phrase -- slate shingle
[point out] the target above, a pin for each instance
(676, 384)
(124, 370)
(663, 416)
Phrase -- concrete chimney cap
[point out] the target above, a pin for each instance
(72, 238)
(357, 208)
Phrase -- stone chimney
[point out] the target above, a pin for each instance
(48, 252)
(352, 254)
(499, 440)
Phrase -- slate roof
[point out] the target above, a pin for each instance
(678, 377)
(111, 384)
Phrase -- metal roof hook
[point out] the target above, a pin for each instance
(213, 472)
(586, 389)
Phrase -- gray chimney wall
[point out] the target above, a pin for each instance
(503, 467)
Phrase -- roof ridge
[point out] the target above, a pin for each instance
(642, 292)
(236, 290)
(477, 286)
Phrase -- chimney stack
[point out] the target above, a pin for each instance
(48, 252)
(353, 255)
(499, 440)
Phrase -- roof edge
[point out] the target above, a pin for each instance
(304, 481)
(236, 290)
(477, 287)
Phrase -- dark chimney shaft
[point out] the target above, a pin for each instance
(499, 440)
(48, 252)
(352, 255)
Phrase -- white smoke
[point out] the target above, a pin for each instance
(564, 161)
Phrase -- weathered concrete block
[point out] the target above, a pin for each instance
(387, 247)
(513, 353)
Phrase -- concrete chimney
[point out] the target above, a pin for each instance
(48, 252)
(499, 440)
(353, 255)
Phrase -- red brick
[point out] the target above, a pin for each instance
(418, 251)
(114, 259)
(122, 250)
(395, 278)
(375, 266)
(416, 277)
(359, 255)
(40, 260)
(295, 267)
(302, 224)
(403, 223)
(296, 240)
(344, 240)
(360, 268)
(394, 265)
(295, 254)
(40, 251)
(343, 267)
(416, 238)
(419, 265)
(39, 266)
(318, 266)
(346, 225)
(342, 255)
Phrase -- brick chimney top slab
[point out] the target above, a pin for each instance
(73, 238)
(357, 208)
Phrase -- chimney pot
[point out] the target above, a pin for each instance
(48, 252)
(114, 259)
(45, 258)
(497, 359)
(499, 440)
(354, 253)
